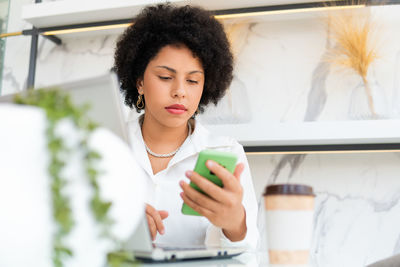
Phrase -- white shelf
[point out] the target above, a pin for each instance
(312, 133)
(69, 12)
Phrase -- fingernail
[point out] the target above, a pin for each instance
(162, 231)
(181, 194)
(188, 174)
(209, 163)
(181, 183)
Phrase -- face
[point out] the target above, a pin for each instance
(172, 86)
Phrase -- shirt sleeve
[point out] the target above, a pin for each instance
(215, 235)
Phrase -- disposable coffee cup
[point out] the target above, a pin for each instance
(289, 212)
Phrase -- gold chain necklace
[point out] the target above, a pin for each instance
(167, 155)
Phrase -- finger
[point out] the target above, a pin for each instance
(238, 171)
(226, 177)
(199, 198)
(208, 187)
(152, 227)
(163, 214)
(156, 217)
(202, 210)
(150, 209)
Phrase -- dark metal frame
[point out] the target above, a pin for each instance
(33, 55)
(302, 5)
(395, 147)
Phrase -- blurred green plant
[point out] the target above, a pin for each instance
(58, 106)
(121, 259)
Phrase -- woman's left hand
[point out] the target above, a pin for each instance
(223, 206)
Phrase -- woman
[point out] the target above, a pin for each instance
(172, 62)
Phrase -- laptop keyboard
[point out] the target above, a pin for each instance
(171, 248)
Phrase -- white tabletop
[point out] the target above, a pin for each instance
(254, 259)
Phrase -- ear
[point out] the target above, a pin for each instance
(139, 85)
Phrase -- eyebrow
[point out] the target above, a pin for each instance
(174, 71)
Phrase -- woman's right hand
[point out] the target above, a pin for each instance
(154, 220)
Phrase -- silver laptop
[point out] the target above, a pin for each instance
(103, 96)
(144, 249)
(107, 109)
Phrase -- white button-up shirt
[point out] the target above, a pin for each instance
(164, 190)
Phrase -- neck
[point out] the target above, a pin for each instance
(160, 138)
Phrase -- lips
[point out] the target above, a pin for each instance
(176, 109)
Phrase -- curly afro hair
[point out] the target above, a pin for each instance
(164, 24)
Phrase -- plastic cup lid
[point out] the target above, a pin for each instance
(289, 189)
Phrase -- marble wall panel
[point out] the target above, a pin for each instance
(280, 64)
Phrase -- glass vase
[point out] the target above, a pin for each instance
(368, 101)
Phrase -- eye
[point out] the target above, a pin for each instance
(164, 77)
(193, 81)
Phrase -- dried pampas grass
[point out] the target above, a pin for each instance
(354, 36)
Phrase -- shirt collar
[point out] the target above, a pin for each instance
(200, 139)
(137, 142)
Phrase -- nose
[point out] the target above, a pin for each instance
(179, 88)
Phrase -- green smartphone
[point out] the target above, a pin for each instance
(226, 159)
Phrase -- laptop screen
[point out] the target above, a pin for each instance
(103, 96)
